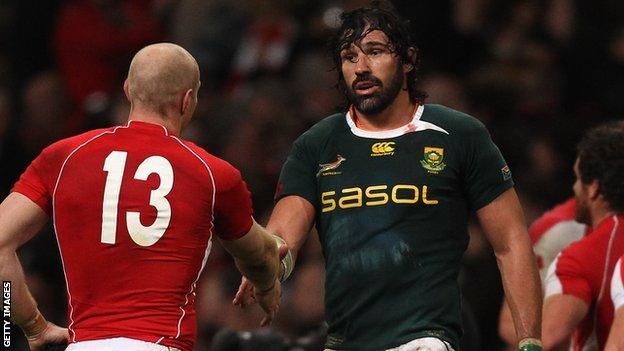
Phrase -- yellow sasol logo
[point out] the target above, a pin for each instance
(383, 149)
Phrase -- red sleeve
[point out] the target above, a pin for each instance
(33, 184)
(233, 209)
(571, 273)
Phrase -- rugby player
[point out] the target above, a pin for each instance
(390, 185)
(577, 304)
(134, 209)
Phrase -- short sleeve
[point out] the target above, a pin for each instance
(566, 275)
(233, 208)
(617, 285)
(298, 175)
(487, 174)
(34, 185)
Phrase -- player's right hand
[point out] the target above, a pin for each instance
(245, 294)
(269, 300)
(51, 335)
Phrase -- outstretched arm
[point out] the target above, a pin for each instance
(292, 219)
(20, 220)
(505, 228)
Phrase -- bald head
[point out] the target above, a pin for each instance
(159, 77)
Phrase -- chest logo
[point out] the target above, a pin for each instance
(383, 149)
(433, 159)
(324, 167)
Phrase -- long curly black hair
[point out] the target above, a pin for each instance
(381, 15)
(601, 158)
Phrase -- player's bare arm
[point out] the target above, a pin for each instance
(562, 313)
(504, 226)
(20, 220)
(616, 336)
(256, 256)
(506, 329)
(291, 219)
(615, 342)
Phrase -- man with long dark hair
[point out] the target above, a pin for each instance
(390, 185)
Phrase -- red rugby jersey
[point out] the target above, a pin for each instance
(134, 208)
(584, 270)
(553, 231)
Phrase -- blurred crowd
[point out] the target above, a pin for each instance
(538, 73)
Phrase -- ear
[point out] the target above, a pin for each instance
(411, 53)
(186, 101)
(593, 190)
(126, 89)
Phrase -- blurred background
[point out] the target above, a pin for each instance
(538, 73)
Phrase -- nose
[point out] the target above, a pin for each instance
(361, 65)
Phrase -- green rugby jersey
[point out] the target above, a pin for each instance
(391, 211)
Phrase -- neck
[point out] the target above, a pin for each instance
(398, 114)
(173, 124)
(599, 213)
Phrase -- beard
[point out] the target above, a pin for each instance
(582, 214)
(372, 104)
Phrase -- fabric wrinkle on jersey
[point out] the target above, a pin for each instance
(553, 231)
(584, 270)
(134, 209)
(383, 200)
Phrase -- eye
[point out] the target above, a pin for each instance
(375, 52)
(349, 57)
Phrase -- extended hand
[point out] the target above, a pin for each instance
(245, 294)
(51, 334)
(269, 300)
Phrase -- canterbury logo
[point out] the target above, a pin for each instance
(384, 148)
(329, 166)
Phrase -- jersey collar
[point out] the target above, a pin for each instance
(147, 126)
(415, 125)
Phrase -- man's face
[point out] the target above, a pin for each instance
(373, 73)
(581, 196)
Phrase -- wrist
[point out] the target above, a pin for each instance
(286, 263)
(530, 344)
(35, 326)
(266, 290)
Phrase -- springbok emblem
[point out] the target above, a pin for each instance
(329, 166)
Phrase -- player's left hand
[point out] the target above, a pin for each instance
(50, 335)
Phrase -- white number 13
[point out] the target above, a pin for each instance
(114, 165)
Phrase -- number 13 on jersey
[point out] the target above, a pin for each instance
(115, 165)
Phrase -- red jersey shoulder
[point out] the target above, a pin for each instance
(225, 175)
(61, 149)
(563, 212)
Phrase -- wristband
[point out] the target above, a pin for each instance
(530, 344)
(287, 262)
(35, 326)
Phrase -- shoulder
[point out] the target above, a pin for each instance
(224, 174)
(452, 120)
(65, 147)
(323, 130)
(588, 249)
